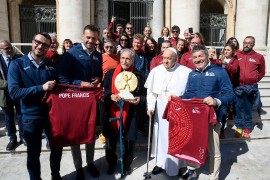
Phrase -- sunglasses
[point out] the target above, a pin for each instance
(37, 42)
(126, 40)
(174, 31)
(108, 47)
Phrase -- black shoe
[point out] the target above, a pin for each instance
(111, 170)
(22, 141)
(11, 145)
(182, 171)
(80, 174)
(157, 170)
(127, 170)
(48, 145)
(189, 175)
(56, 177)
(93, 170)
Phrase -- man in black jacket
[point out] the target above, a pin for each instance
(7, 54)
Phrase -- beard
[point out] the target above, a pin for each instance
(247, 50)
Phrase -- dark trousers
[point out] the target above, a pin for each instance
(111, 157)
(33, 134)
(10, 121)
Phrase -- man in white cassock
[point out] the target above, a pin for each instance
(165, 80)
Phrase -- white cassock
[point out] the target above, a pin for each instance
(162, 83)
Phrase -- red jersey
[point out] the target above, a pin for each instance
(73, 114)
(187, 61)
(188, 128)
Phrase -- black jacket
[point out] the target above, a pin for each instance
(130, 132)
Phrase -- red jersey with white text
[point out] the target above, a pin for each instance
(73, 114)
(188, 128)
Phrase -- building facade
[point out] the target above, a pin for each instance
(217, 20)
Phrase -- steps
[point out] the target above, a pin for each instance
(261, 123)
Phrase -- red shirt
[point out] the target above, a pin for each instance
(73, 114)
(187, 61)
(188, 128)
(173, 41)
(109, 62)
(156, 61)
(252, 67)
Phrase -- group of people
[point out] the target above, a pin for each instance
(170, 67)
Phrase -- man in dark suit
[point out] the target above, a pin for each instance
(7, 55)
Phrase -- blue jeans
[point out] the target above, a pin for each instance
(33, 134)
(243, 105)
(10, 121)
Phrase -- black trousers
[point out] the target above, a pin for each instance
(111, 157)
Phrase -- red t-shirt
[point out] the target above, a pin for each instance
(73, 114)
(188, 128)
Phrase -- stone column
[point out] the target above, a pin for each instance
(251, 20)
(102, 12)
(72, 16)
(158, 18)
(4, 29)
(186, 14)
(230, 10)
(14, 20)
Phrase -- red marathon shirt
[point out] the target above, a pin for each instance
(73, 114)
(188, 128)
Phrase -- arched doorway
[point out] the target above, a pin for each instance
(213, 22)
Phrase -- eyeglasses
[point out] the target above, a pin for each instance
(7, 48)
(126, 40)
(44, 45)
(174, 31)
(129, 28)
(248, 43)
(108, 47)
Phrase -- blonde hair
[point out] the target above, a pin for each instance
(163, 29)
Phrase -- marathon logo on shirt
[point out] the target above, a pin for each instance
(74, 95)
(209, 74)
(196, 110)
(252, 60)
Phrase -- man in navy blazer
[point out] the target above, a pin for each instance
(7, 54)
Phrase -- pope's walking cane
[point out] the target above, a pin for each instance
(147, 175)
(120, 104)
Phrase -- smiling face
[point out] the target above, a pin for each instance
(89, 39)
(137, 44)
(228, 52)
(180, 46)
(150, 45)
(106, 34)
(200, 59)
(165, 32)
(54, 45)
(126, 60)
(147, 32)
(40, 46)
